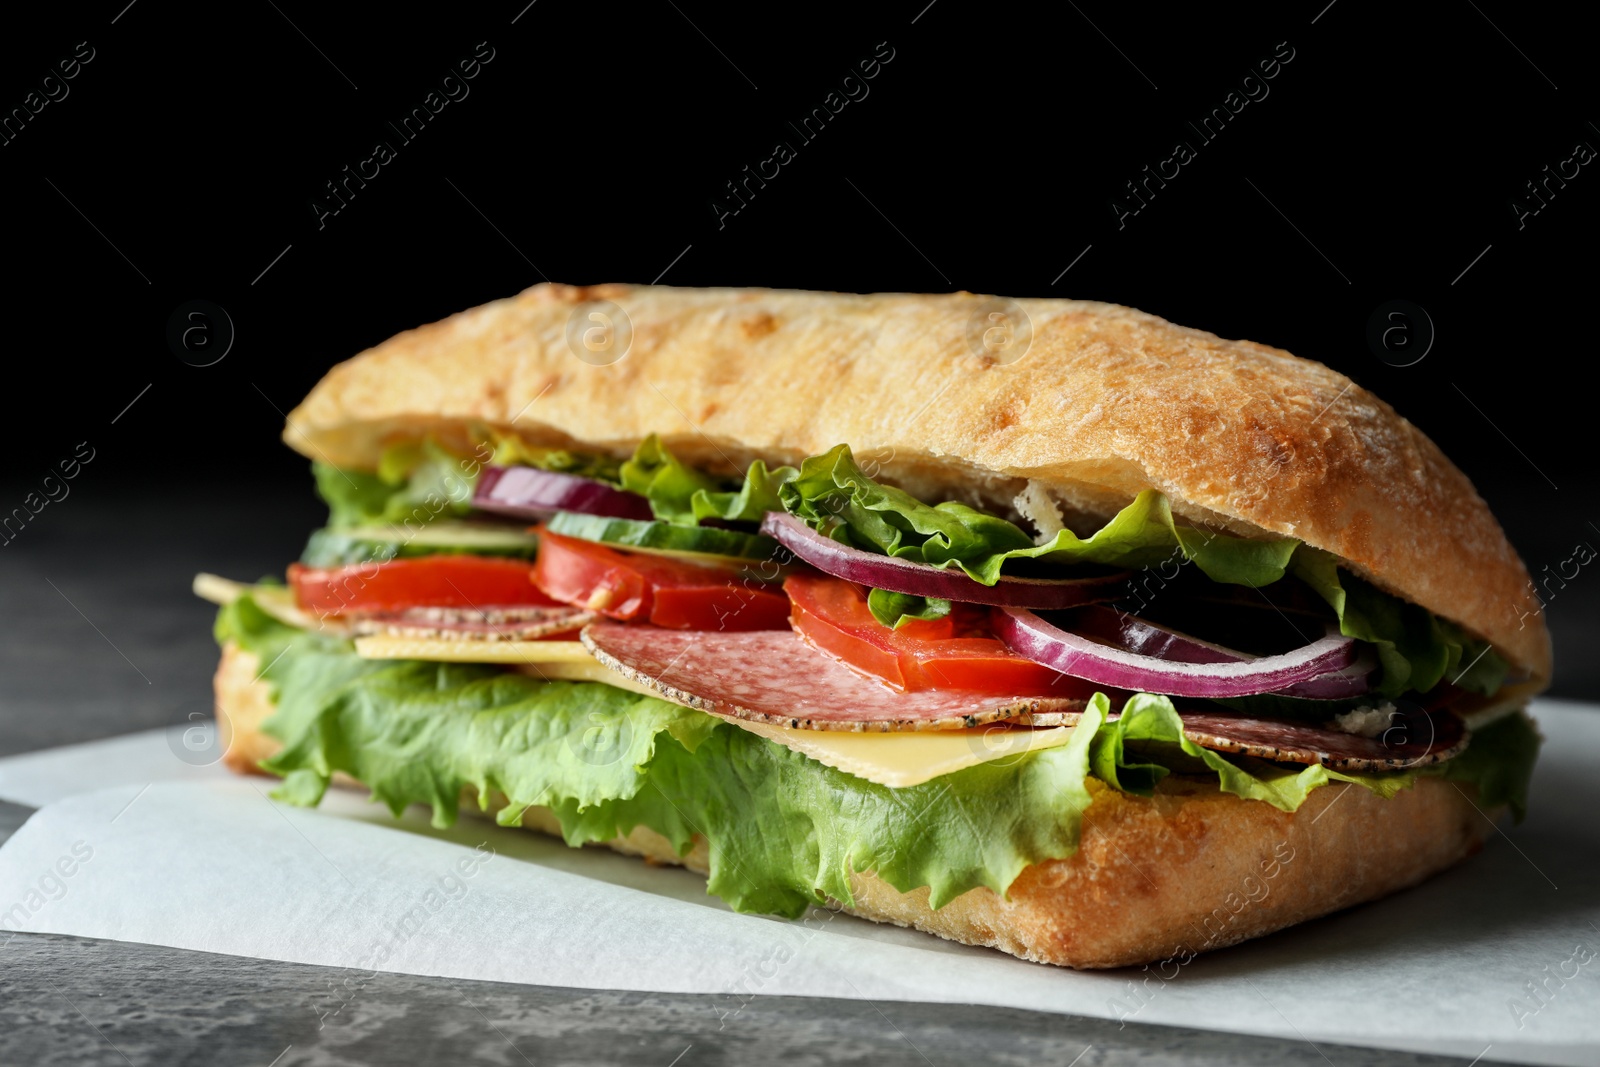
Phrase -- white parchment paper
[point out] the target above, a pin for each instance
(1500, 954)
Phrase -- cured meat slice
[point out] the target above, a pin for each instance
(519, 623)
(1414, 738)
(774, 676)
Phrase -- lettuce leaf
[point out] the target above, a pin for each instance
(500, 734)
(756, 496)
(895, 609)
(786, 831)
(1415, 648)
(836, 498)
(414, 484)
(1498, 764)
(353, 497)
(512, 451)
(419, 732)
(685, 496)
(244, 623)
(420, 481)
(1149, 720)
(670, 486)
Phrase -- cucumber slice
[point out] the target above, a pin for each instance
(366, 544)
(699, 544)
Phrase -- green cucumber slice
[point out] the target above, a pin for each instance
(700, 544)
(366, 544)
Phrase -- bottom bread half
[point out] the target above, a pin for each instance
(1159, 879)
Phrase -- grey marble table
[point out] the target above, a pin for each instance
(100, 637)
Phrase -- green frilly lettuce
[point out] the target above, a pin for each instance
(685, 496)
(836, 498)
(1498, 764)
(510, 451)
(1151, 722)
(784, 831)
(1137, 750)
(1416, 649)
(414, 484)
(419, 481)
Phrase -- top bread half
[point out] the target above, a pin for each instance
(955, 397)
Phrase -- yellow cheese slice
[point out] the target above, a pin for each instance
(562, 660)
(1479, 711)
(585, 672)
(274, 600)
(899, 760)
(456, 650)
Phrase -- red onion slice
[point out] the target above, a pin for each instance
(1147, 638)
(1353, 681)
(533, 494)
(1032, 638)
(924, 579)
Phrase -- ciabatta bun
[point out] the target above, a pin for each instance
(1104, 402)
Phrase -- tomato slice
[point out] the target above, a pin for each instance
(641, 587)
(428, 581)
(955, 652)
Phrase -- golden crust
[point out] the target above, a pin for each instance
(1106, 401)
(1156, 880)
(243, 703)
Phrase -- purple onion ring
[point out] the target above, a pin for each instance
(533, 494)
(924, 579)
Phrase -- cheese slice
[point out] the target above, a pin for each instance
(1479, 711)
(217, 589)
(565, 661)
(586, 672)
(456, 650)
(274, 600)
(898, 760)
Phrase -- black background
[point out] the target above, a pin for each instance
(1382, 165)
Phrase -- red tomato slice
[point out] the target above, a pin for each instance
(641, 587)
(955, 652)
(428, 581)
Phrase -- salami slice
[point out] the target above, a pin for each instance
(519, 623)
(1413, 738)
(774, 676)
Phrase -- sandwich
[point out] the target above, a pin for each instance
(1042, 625)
